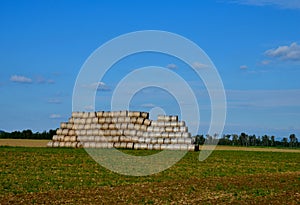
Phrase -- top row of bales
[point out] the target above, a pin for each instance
(101, 114)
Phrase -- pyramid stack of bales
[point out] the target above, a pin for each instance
(122, 129)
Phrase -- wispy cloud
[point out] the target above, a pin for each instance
(265, 62)
(42, 80)
(55, 116)
(89, 108)
(243, 67)
(20, 79)
(172, 66)
(287, 52)
(54, 101)
(99, 86)
(148, 105)
(283, 4)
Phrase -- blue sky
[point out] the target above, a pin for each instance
(255, 45)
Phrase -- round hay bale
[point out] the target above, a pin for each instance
(92, 144)
(99, 114)
(107, 133)
(74, 114)
(180, 140)
(71, 133)
(59, 131)
(156, 129)
(150, 129)
(88, 121)
(105, 126)
(176, 147)
(133, 119)
(123, 113)
(92, 114)
(117, 144)
(67, 138)
(121, 119)
(169, 129)
(109, 138)
(101, 132)
(89, 132)
(56, 144)
(177, 134)
(176, 129)
(116, 139)
(68, 144)
(71, 120)
(129, 145)
(145, 115)
(188, 140)
(174, 124)
(50, 144)
(149, 146)
(147, 140)
(145, 134)
(165, 134)
(181, 123)
(61, 144)
(139, 133)
(153, 140)
(183, 129)
(97, 139)
(112, 126)
(171, 135)
(147, 122)
(65, 131)
(63, 125)
(186, 134)
(85, 115)
(161, 123)
(183, 147)
(134, 139)
(130, 126)
(154, 123)
(156, 146)
(114, 120)
(143, 146)
(127, 119)
(79, 145)
(162, 118)
(160, 140)
(140, 120)
(123, 145)
(173, 140)
(167, 141)
(163, 146)
(55, 138)
(95, 120)
(151, 134)
(101, 120)
(74, 144)
(106, 114)
(141, 140)
(69, 126)
(95, 132)
(82, 121)
(83, 132)
(144, 128)
(108, 120)
(174, 118)
(137, 126)
(91, 138)
(73, 138)
(87, 126)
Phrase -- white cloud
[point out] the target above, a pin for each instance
(55, 116)
(172, 66)
(291, 52)
(20, 79)
(283, 4)
(243, 67)
(100, 86)
(198, 65)
(265, 62)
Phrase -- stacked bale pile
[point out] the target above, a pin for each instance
(122, 129)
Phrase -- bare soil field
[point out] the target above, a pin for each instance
(23, 143)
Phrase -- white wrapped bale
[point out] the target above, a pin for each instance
(55, 138)
(183, 147)
(105, 126)
(135, 138)
(181, 123)
(145, 134)
(150, 129)
(79, 145)
(108, 120)
(73, 138)
(183, 129)
(171, 134)
(74, 144)
(116, 139)
(163, 146)
(68, 144)
(154, 123)
(147, 140)
(143, 146)
(173, 140)
(141, 140)
(164, 134)
(123, 145)
(137, 127)
(174, 124)
(153, 140)
(87, 126)
(169, 129)
(85, 115)
(88, 120)
(69, 126)
(91, 138)
(71, 133)
(61, 144)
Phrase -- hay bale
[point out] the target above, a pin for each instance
(108, 120)
(140, 120)
(169, 129)
(73, 138)
(137, 126)
(171, 135)
(147, 140)
(69, 125)
(99, 114)
(173, 140)
(186, 134)
(167, 141)
(174, 124)
(150, 129)
(133, 119)
(150, 146)
(65, 131)
(66, 138)
(74, 144)
(88, 121)
(61, 144)
(82, 132)
(59, 131)
(181, 123)
(147, 122)
(165, 134)
(157, 147)
(183, 129)
(154, 123)
(71, 133)
(145, 134)
(101, 120)
(56, 144)
(145, 115)
(141, 140)
(50, 144)
(135, 139)
(85, 115)
(153, 140)
(160, 140)
(87, 126)
(105, 126)
(174, 118)
(116, 139)
(79, 145)
(144, 128)
(129, 145)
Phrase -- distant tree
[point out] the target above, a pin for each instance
(285, 141)
(235, 140)
(292, 140)
(272, 140)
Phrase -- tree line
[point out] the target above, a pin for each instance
(27, 134)
(249, 140)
